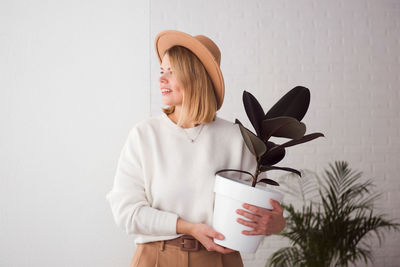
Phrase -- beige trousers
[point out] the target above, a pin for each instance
(159, 254)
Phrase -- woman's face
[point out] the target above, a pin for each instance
(171, 94)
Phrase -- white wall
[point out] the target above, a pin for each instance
(75, 76)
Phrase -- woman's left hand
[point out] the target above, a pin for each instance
(264, 221)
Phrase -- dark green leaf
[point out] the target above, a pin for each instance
(268, 181)
(253, 143)
(293, 104)
(283, 126)
(272, 156)
(304, 139)
(254, 111)
(268, 168)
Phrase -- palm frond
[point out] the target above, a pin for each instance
(304, 188)
(334, 230)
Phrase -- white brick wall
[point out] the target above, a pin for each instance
(346, 52)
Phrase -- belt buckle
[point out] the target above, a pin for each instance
(196, 243)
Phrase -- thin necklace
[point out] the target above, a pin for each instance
(198, 133)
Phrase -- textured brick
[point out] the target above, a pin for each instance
(346, 52)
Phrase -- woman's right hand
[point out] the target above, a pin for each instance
(205, 234)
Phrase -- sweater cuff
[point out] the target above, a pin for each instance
(167, 223)
(157, 222)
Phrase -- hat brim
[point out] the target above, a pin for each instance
(167, 39)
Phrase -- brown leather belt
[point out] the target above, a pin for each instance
(186, 243)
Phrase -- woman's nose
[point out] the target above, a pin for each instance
(162, 78)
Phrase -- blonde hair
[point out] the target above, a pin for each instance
(199, 104)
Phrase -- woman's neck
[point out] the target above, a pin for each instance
(175, 118)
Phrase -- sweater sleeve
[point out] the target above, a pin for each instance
(129, 204)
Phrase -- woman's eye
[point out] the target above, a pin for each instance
(161, 72)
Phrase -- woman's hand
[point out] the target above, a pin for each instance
(264, 221)
(205, 234)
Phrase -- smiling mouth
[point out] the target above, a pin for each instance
(165, 91)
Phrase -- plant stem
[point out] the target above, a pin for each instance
(257, 172)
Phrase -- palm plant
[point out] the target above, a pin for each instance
(335, 230)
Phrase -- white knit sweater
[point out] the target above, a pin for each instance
(162, 175)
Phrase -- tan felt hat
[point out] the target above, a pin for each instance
(203, 47)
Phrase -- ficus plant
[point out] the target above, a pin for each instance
(282, 120)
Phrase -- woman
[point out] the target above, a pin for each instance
(163, 188)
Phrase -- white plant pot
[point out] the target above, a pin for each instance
(230, 194)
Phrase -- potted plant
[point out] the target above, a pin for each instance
(282, 120)
(334, 225)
